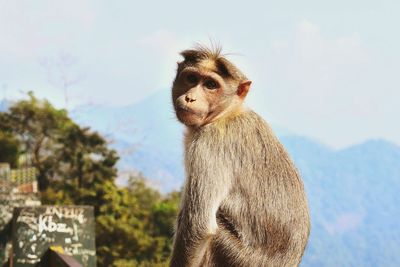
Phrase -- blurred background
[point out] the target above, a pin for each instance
(325, 76)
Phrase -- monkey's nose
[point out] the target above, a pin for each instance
(189, 99)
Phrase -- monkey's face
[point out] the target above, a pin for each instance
(199, 95)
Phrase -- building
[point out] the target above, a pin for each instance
(21, 180)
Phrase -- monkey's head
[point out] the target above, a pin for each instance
(207, 87)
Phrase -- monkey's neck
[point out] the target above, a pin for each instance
(228, 114)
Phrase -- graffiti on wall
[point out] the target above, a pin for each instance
(69, 228)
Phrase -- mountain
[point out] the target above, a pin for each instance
(146, 135)
(4, 105)
(353, 193)
(353, 197)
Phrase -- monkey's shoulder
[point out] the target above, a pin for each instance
(248, 123)
(249, 117)
(246, 126)
(250, 130)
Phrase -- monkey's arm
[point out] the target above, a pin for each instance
(207, 186)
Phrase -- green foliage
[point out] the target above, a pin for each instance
(37, 125)
(9, 149)
(142, 212)
(134, 224)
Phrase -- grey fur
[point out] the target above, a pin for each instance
(243, 202)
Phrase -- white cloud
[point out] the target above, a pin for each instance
(28, 28)
(337, 86)
(324, 87)
(161, 48)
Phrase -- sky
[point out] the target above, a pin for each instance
(324, 69)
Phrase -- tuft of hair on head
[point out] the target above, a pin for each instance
(202, 52)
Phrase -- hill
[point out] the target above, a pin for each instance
(3, 105)
(353, 193)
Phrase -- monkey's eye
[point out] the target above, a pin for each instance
(192, 79)
(211, 84)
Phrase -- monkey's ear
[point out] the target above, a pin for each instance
(190, 55)
(243, 89)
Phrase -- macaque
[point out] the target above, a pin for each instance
(243, 201)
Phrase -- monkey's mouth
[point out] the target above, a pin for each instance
(189, 116)
(187, 111)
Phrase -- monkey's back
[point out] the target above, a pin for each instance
(264, 221)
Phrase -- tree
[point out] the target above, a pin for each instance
(61, 150)
(9, 149)
(142, 226)
(61, 73)
(37, 126)
(75, 161)
(134, 224)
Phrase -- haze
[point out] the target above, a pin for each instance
(328, 70)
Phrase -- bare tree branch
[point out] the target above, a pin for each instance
(60, 73)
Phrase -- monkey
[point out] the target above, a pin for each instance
(243, 201)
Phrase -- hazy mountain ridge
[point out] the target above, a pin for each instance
(4, 105)
(146, 134)
(353, 192)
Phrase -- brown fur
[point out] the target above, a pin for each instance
(243, 202)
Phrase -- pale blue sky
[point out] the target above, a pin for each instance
(328, 70)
